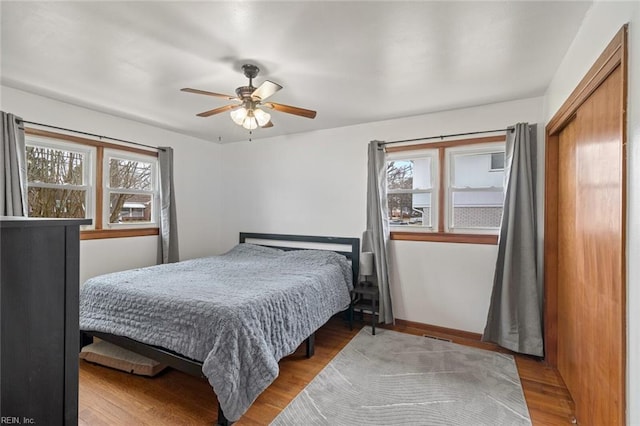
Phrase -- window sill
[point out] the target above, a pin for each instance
(442, 237)
(96, 234)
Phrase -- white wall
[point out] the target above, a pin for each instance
(196, 184)
(601, 23)
(315, 183)
(311, 183)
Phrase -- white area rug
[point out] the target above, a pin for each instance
(396, 378)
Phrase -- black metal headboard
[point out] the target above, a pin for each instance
(354, 243)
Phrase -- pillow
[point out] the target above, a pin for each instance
(109, 355)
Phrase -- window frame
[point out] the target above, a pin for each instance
(100, 228)
(485, 148)
(110, 153)
(434, 210)
(88, 172)
(442, 235)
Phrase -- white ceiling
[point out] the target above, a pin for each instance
(353, 62)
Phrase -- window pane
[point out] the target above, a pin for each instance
(130, 174)
(49, 165)
(128, 208)
(409, 209)
(54, 202)
(478, 209)
(409, 174)
(474, 171)
(497, 161)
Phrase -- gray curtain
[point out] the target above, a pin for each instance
(168, 241)
(515, 313)
(376, 238)
(13, 180)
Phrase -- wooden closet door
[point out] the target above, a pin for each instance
(591, 302)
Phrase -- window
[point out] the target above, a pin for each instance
(497, 162)
(474, 195)
(131, 189)
(72, 177)
(59, 180)
(446, 191)
(410, 182)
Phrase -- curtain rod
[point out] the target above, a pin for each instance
(88, 134)
(508, 129)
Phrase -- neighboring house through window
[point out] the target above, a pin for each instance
(497, 161)
(475, 192)
(131, 188)
(446, 191)
(71, 177)
(411, 179)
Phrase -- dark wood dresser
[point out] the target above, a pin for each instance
(39, 340)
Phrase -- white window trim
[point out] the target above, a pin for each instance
(106, 193)
(449, 189)
(88, 172)
(435, 182)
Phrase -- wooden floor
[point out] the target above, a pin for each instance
(110, 397)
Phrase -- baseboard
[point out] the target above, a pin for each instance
(440, 330)
(452, 334)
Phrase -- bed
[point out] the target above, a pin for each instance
(229, 318)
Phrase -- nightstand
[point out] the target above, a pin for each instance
(364, 299)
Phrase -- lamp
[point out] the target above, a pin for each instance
(366, 266)
(250, 117)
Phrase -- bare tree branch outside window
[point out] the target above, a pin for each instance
(49, 171)
(400, 176)
(130, 175)
(62, 178)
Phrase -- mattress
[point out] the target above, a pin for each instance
(238, 313)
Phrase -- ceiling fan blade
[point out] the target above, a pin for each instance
(291, 109)
(204, 92)
(269, 124)
(266, 89)
(217, 110)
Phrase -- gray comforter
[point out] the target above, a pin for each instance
(238, 313)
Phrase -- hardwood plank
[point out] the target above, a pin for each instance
(110, 397)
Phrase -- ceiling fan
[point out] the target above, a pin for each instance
(246, 113)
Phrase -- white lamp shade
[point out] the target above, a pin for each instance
(366, 263)
(250, 123)
(261, 116)
(238, 115)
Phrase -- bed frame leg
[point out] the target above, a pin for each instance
(311, 347)
(85, 340)
(222, 420)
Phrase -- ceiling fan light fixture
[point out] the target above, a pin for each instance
(261, 116)
(246, 113)
(250, 122)
(238, 115)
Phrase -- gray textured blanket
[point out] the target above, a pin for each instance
(238, 313)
